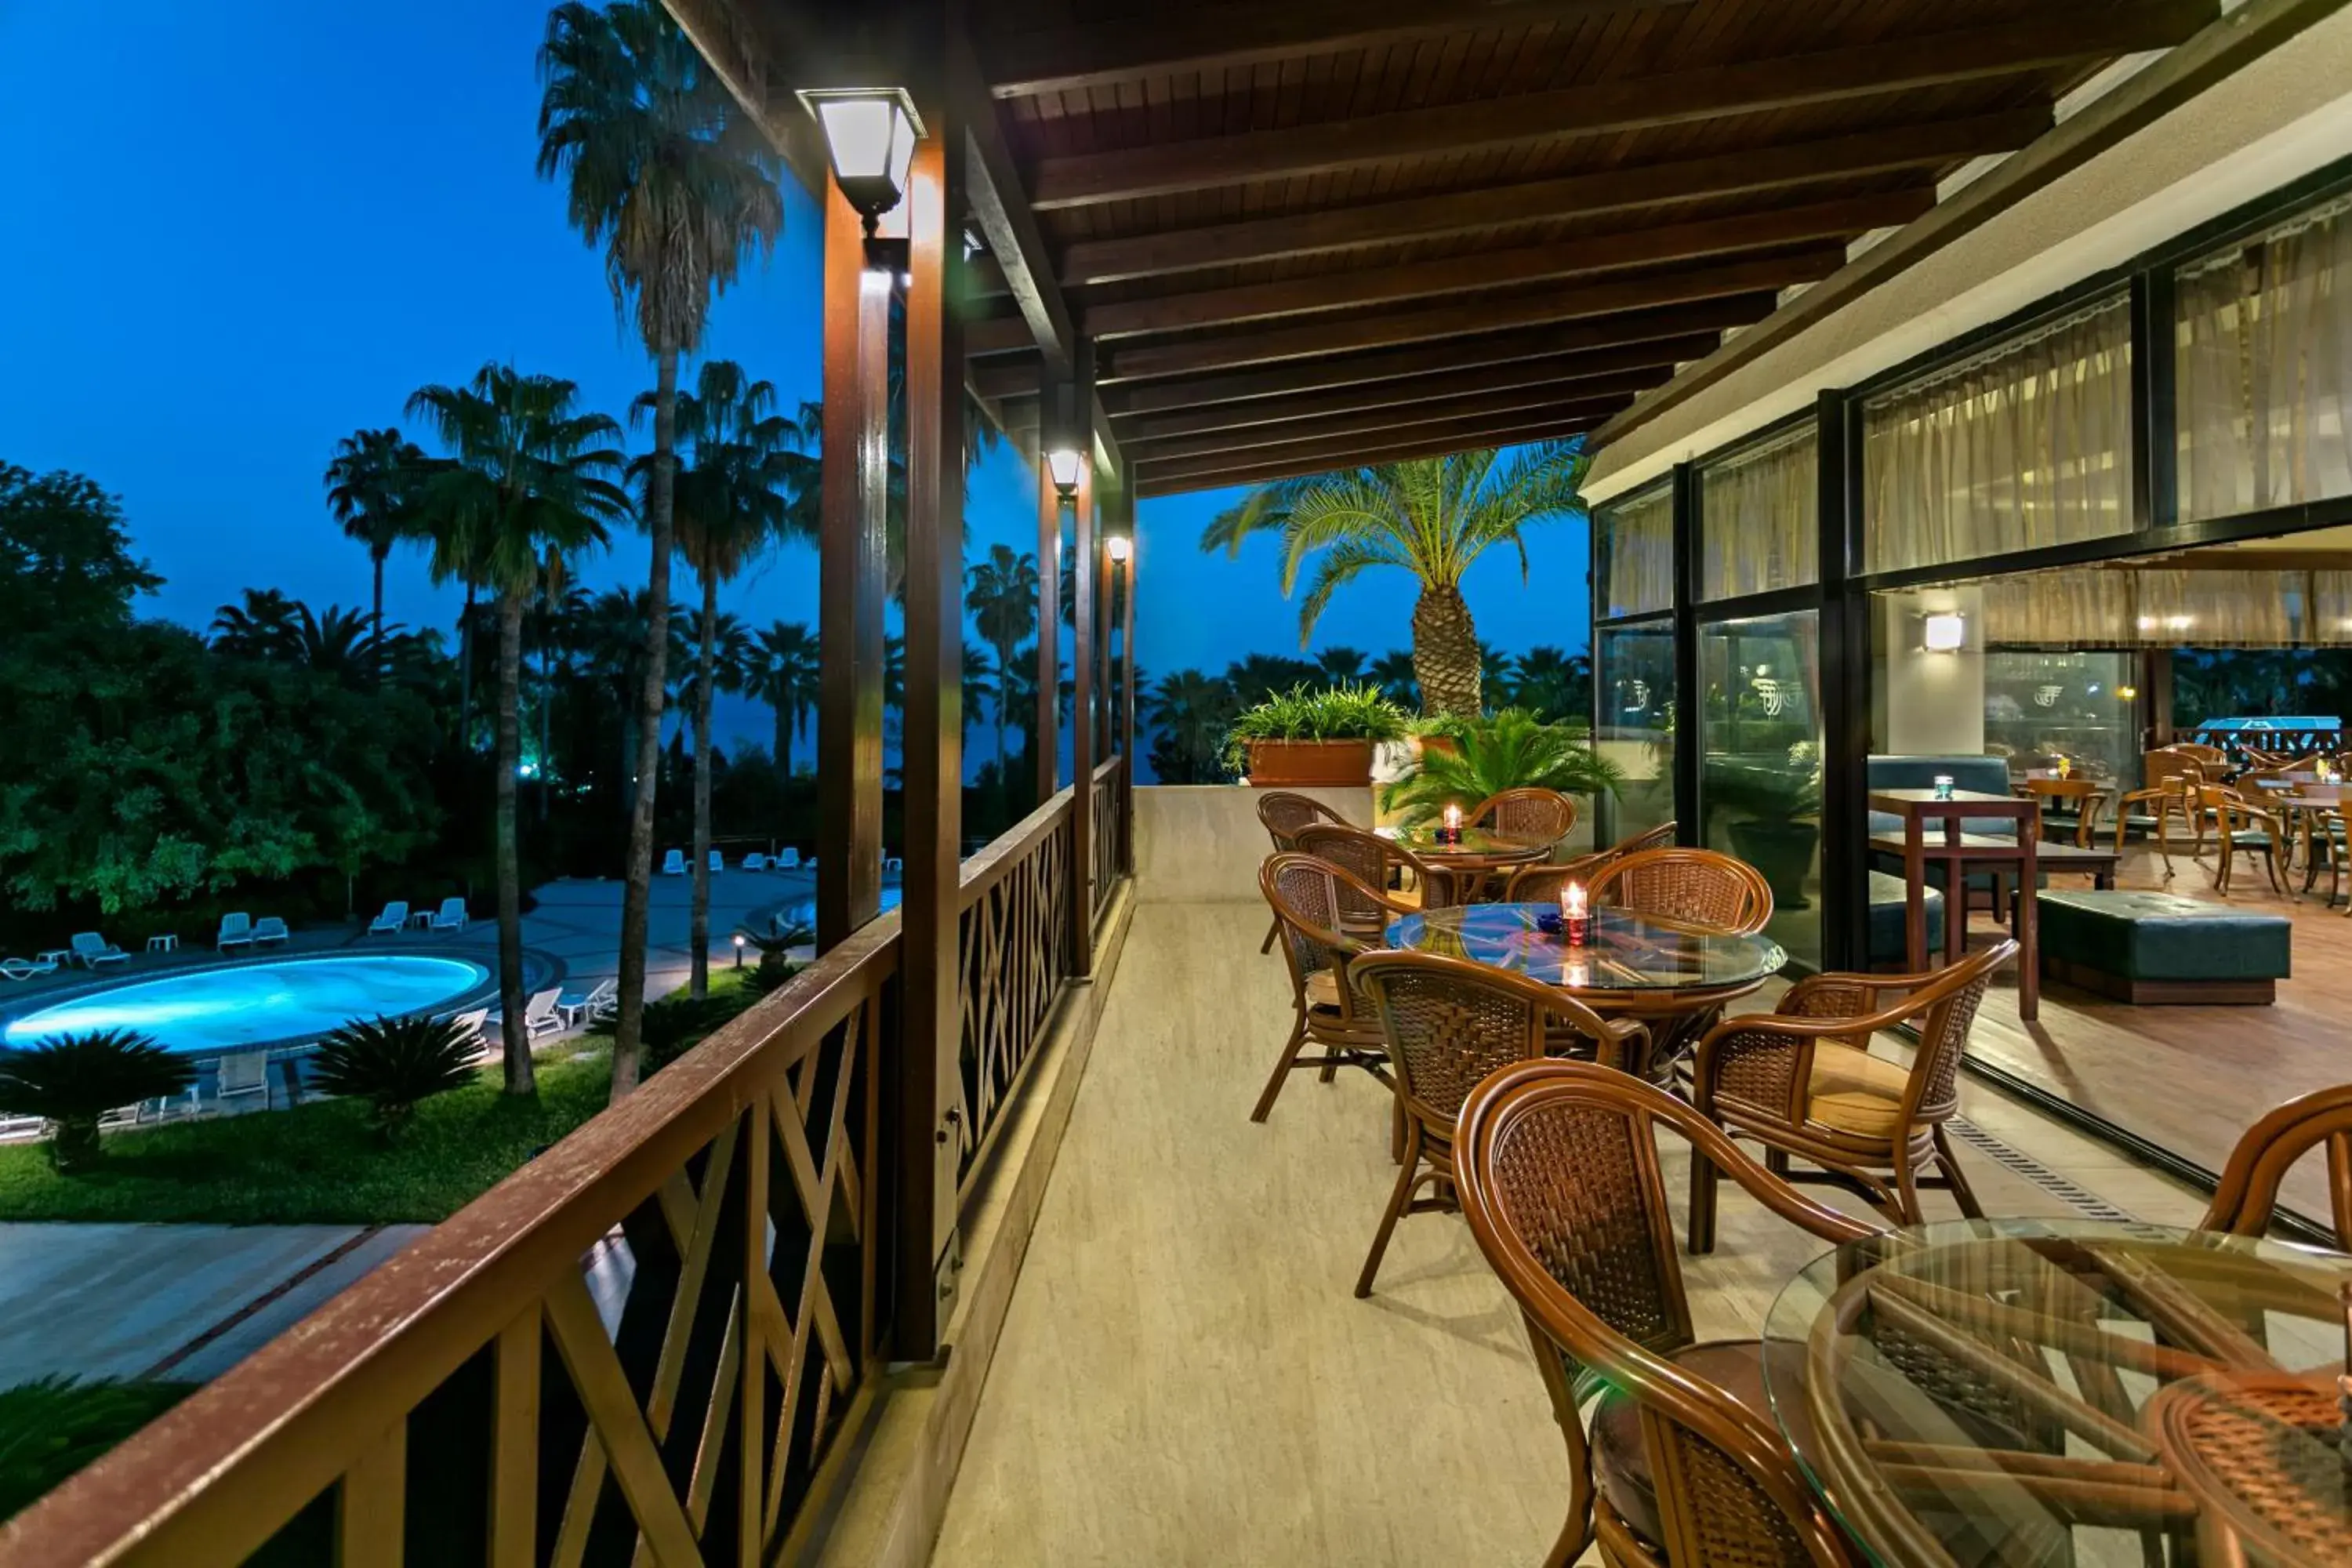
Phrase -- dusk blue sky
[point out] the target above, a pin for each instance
(242, 231)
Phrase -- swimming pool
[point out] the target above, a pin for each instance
(203, 1011)
(803, 913)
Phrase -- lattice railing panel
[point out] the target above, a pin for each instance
(1013, 948)
(1106, 834)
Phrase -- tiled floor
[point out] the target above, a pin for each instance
(1185, 1377)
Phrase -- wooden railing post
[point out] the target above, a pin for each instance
(1082, 673)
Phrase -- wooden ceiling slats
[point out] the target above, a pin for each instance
(1869, 70)
(1467, 210)
(1460, 398)
(1274, 443)
(1430, 441)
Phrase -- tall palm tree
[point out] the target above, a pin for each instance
(678, 186)
(1432, 517)
(1341, 664)
(613, 639)
(1392, 673)
(532, 482)
(370, 484)
(783, 674)
(732, 500)
(337, 642)
(1188, 713)
(1496, 673)
(1556, 684)
(1001, 595)
(264, 625)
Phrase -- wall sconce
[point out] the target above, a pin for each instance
(2126, 693)
(870, 135)
(1944, 633)
(1118, 547)
(1062, 463)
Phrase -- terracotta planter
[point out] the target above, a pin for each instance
(1444, 746)
(1296, 764)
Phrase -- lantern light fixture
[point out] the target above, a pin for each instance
(1944, 633)
(869, 134)
(1062, 463)
(1118, 547)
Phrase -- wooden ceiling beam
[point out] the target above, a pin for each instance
(1770, 167)
(986, 336)
(1002, 379)
(1630, 341)
(1534, 406)
(2063, 37)
(1179, 39)
(1270, 346)
(1535, 381)
(1217, 473)
(1474, 271)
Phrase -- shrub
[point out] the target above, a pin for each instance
(1340, 713)
(394, 1063)
(74, 1079)
(772, 970)
(53, 1425)
(675, 1024)
(1513, 750)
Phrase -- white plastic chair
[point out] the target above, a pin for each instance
(451, 915)
(674, 863)
(395, 918)
(243, 1073)
(90, 950)
(755, 861)
(892, 866)
(717, 861)
(269, 929)
(540, 1014)
(786, 859)
(235, 931)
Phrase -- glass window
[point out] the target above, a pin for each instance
(1634, 668)
(1759, 518)
(2025, 446)
(2042, 705)
(1760, 784)
(1637, 553)
(2263, 340)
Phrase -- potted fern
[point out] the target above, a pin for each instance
(1513, 750)
(1303, 738)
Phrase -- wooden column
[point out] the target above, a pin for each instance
(1127, 713)
(850, 574)
(1049, 599)
(1082, 704)
(930, 1016)
(1106, 588)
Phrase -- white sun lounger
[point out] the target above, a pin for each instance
(235, 931)
(450, 916)
(787, 859)
(587, 1008)
(90, 950)
(717, 861)
(26, 968)
(539, 1014)
(394, 919)
(269, 929)
(755, 861)
(674, 863)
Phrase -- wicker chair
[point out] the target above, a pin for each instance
(1307, 895)
(1376, 862)
(2248, 1193)
(1544, 813)
(2244, 828)
(1697, 887)
(1662, 836)
(1446, 1024)
(1282, 814)
(1801, 1080)
(1557, 1164)
(1541, 884)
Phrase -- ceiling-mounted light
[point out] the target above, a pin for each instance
(1062, 463)
(1118, 547)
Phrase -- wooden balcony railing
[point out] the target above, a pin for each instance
(1109, 832)
(640, 1348)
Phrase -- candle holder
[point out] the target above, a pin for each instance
(1943, 787)
(1449, 827)
(1575, 916)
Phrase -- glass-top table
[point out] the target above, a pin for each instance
(1478, 846)
(1625, 953)
(2032, 1392)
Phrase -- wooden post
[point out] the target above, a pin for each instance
(1082, 673)
(932, 756)
(1127, 715)
(850, 573)
(1049, 598)
(1106, 588)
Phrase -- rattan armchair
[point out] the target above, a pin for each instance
(1544, 813)
(1558, 1168)
(1308, 896)
(1802, 1081)
(1282, 812)
(1697, 887)
(2243, 828)
(1405, 880)
(1446, 1023)
(1541, 884)
(2247, 1195)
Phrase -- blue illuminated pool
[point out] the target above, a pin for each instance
(802, 914)
(206, 1011)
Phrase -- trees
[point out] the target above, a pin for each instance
(1001, 595)
(1341, 664)
(732, 500)
(262, 627)
(1432, 517)
(666, 174)
(531, 484)
(1188, 713)
(1556, 684)
(783, 674)
(371, 485)
(64, 556)
(1392, 673)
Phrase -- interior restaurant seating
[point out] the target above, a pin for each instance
(1558, 1173)
(2151, 948)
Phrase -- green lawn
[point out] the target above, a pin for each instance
(314, 1164)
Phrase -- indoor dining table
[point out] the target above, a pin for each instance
(1672, 977)
(2026, 1392)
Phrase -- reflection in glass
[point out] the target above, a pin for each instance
(1633, 668)
(1760, 785)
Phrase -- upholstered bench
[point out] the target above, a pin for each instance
(2160, 948)
(1886, 947)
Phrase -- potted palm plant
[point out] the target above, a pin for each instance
(1772, 814)
(1303, 738)
(1513, 750)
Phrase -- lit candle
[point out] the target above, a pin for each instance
(1943, 787)
(1575, 919)
(1453, 834)
(2063, 767)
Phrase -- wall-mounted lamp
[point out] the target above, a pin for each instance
(1944, 633)
(1118, 547)
(2126, 693)
(870, 135)
(1062, 463)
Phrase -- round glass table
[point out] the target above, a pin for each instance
(1478, 849)
(1675, 978)
(2046, 1391)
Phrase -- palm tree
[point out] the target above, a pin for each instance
(1341, 664)
(1392, 673)
(371, 485)
(678, 186)
(733, 501)
(1001, 595)
(1257, 676)
(532, 482)
(336, 642)
(1432, 517)
(1513, 750)
(784, 676)
(614, 637)
(978, 687)
(1495, 673)
(263, 627)
(1188, 713)
(1556, 684)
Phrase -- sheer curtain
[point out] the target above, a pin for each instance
(1637, 553)
(2161, 607)
(2265, 346)
(1759, 518)
(2026, 444)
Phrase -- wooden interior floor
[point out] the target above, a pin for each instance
(1184, 1377)
(2192, 1080)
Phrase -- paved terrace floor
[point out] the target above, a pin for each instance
(1184, 1377)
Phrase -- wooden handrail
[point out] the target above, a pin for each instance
(996, 862)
